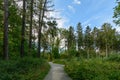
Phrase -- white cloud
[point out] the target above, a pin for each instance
(117, 29)
(77, 2)
(87, 22)
(71, 8)
(61, 23)
(61, 20)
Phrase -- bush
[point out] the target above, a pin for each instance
(23, 69)
(64, 55)
(72, 52)
(83, 53)
(114, 57)
(94, 69)
(55, 52)
(59, 61)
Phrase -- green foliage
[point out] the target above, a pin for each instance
(60, 61)
(52, 28)
(114, 57)
(79, 36)
(88, 38)
(64, 55)
(83, 53)
(72, 52)
(71, 42)
(116, 15)
(94, 69)
(23, 69)
(1, 27)
(55, 52)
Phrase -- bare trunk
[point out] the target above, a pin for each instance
(106, 50)
(41, 16)
(31, 18)
(5, 40)
(23, 31)
(43, 52)
(39, 36)
(34, 38)
(88, 55)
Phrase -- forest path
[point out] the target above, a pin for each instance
(57, 73)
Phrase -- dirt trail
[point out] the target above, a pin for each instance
(57, 73)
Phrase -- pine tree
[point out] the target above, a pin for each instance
(41, 18)
(5, 40)
(31, 23)
(88, 40)
(79, 36)
(23, 29)
(71, 41)
(116, 15)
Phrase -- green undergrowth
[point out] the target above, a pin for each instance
(60, 61)
(24, 69)
(94, 69)
(114, 58)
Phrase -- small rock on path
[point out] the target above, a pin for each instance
(57, 73)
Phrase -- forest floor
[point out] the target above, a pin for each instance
(57, 72)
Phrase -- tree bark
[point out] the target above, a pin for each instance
(31, 18)
(106, 50)
(39, 36)
(41, 16)
(23, 30)
(5, 39)
(88, 54)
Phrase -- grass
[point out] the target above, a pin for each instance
(24, 69)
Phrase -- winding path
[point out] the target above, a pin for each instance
(57, 73)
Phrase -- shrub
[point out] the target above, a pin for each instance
(60, 61)
(94, 69)
(114, 57)
(55, 52)
(23, 69)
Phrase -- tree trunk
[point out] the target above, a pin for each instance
(34, 38)
(41, 16)
(43, 52)
(23, 30)
(88, 54)
(5, 39)
(106, 50)
(31, 18)
(39, 36)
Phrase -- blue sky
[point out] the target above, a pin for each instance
(88, 12)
